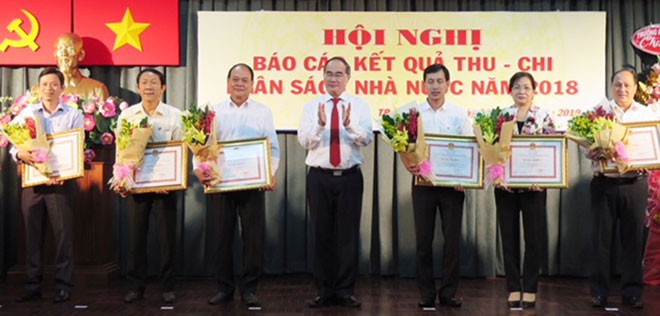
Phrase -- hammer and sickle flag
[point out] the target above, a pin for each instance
(29, 29)
(128, 32)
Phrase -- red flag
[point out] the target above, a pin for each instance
(128, 32)
(29, 29)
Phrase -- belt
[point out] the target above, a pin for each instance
(338, 172)
(620, 180)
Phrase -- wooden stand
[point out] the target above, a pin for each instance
(94, 225)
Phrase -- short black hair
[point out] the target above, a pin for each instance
(154, 71)
(241, 65)
(625, 68)
(521, 74)
(435, 68)
(52, 71)
(342, 60)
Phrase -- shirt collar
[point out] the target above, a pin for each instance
(60, 107)
(234, 105)
(159, 109)
(343, 96)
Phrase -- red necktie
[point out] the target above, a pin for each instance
(335, 153)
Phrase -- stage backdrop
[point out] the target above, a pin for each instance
(388, 53)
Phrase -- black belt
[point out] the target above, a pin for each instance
(620, 180)
(338, 172)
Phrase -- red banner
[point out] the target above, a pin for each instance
(647, 39)
(28, 30)
(128, 32)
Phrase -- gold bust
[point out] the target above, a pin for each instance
(69, 52)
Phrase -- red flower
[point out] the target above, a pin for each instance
(30, 124)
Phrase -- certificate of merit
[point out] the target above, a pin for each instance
(537, 161)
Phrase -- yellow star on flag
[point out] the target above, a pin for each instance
(128, 31)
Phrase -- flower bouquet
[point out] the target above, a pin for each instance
(132, 140)
(598, 130)
(494, 130)
(27, 134)
(405, 133)
(14, 107)
(199, 134)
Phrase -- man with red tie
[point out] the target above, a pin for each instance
(334, 127)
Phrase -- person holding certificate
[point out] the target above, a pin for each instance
(238, 118)
(334, 128)
(165, 121)
(51, 201)
(439, 117)
(619, 197)
(511, 203)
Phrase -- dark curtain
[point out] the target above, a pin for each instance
(387, 237)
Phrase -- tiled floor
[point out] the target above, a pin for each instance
(288, 294)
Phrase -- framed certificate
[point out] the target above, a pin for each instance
(244, 165)
(455, 160)
(643, 147)
(66, 158)
(537, 160)
(164, 168)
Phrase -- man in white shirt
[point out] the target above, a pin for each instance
(334, 128)
(623, 198)
(48, 202)
(165, 121)
(237, 118)
(439, 117)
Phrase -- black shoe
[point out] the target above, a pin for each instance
(348, 301)
(251, 300)
(632, 301)
(528, 304)
(598, 301)
(169, 297)
(29, 297)
(221, 297)
(133, 296)
(426, 303)
(62, 296)
(514, 304)
(451, 301)
(320, 301)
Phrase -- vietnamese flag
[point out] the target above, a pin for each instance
(29, 29)
(128, 32)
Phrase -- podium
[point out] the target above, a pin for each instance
(94, 229)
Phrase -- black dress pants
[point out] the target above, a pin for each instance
(39, 205)
(335, 206)
(622, 199)
(426, 201)
(250, 206)
(510, 205)
(164, 207)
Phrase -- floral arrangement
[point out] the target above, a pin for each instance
(100, 119)
(493, 130)
(598, 130)
(648, 92)
(199, 134)
(26, 133)
(131, 143)
(405, 133)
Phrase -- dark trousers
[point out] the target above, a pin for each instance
(164, 207)
(623, 200)
(41, 204)
(426, 201)
(250, 207)
(510, 205)
(335, 206)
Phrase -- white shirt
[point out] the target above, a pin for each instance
(316, 138)
(165, 122)
(449, 119)
(249, 120)
(635, 113)
(542, 121)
